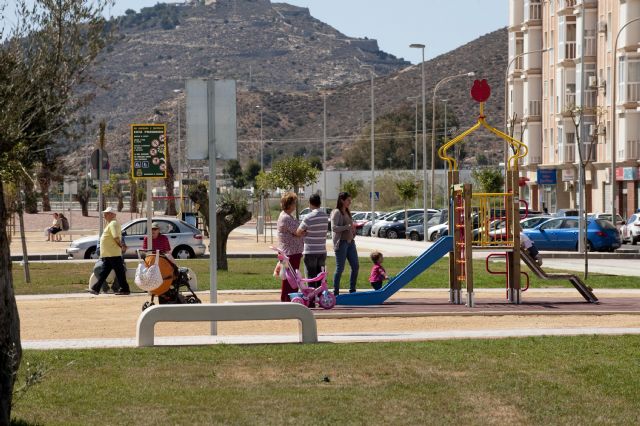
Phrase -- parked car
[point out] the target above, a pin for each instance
(528, 223)
(416, 232)
(186, 240)
(395, 217)
(562, 234)
(434, 232)
(366, 228)
(362, 218)
(397, 230)
(631, 230)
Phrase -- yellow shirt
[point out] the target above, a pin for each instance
(108, 245)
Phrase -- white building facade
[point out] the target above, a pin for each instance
(560, 100)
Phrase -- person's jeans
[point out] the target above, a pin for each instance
(314, 263)
(346, 252)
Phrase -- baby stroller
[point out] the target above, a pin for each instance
(174, 278)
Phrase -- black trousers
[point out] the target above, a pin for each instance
(115, 263)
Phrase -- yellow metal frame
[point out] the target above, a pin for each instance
(520, 148)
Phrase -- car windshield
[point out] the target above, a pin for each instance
(605, 224)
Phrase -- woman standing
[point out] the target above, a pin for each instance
(289, 242)
(344, 245)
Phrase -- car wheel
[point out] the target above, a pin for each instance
(91, 253)
(589, 246)
(433, 236)
(183, 252)
(414, 236)
(634, 240)
(392, 234)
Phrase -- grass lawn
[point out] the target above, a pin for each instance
(61, 277)
(528, 381)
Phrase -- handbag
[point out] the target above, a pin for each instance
(148, 278)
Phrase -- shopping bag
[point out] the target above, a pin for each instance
(148, 278)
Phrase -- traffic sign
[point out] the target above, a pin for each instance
(377, 195)
(96, 174)
(148, 151)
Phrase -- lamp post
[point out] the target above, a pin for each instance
(506, 97)
(373, 165)
(324, 149)
(433, 127)
(260, 222)
(424, 134)
(444, 164)
(614, 119)
(177, 92)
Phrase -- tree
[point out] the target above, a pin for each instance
(489, 179)
(233, 170)
(353, 187)
(231, 212)
(44, 59)
(407, 190)
(251, 171)
(292, 174)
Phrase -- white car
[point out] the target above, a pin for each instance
(186, 240)
(434, 231)
(631, 229)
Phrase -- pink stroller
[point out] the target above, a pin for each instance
(306, 294)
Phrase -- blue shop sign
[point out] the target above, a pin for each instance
(547, 177)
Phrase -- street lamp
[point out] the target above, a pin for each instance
(424, 136)
(324, 149)
(373, 166)
(613, 123)
(444, 164)
(260, 222)
(415, 155)
(433, 127)
(177, 92)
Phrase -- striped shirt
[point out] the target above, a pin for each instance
(316, 224)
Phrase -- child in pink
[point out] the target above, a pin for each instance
(378, 274)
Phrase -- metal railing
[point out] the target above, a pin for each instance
(569, 153)
(632, 92)
(533, 10)
(492, 211)
(569, 50)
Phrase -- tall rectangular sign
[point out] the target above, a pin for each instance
(148, 151)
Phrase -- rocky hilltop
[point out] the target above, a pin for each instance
(280, 56)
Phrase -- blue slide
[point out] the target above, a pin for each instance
(377, 297)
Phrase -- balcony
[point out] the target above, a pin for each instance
(569, 100)
(566, 7)
(593, 154)
(535, 109)
(590, 45)
(533, 10)
(631, 150)
(569, 50)
(632, 92)
(569, 153)
(518, 64)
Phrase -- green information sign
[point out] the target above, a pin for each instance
(148, 148)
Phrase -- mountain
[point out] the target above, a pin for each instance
(280, 56)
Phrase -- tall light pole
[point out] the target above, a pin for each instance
(444, 164)
(614, 119)
(424, 134)
(433, 127)
(260, 223)
(324, 149)
(506, 97)
(373, 164)
(177, 92)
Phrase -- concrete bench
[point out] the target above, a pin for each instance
(226, 312)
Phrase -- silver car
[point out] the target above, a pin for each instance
(186, 240)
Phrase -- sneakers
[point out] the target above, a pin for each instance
(122, 293)
(92, 291)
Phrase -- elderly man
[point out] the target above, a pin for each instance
(111, 247)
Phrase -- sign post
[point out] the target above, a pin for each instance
(148, 161)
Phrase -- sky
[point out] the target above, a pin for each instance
(441, 25)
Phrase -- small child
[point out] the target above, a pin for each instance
(378, 274)
(528, 245)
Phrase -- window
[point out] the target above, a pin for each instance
(138, 228)
(552, 224)
(570, 224)
(168, 228)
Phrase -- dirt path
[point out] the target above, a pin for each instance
(109, 316)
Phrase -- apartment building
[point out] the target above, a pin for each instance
(560, 100)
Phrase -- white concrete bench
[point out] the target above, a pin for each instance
(226, 312)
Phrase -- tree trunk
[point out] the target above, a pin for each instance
(133, 197)
(44, 180)
(168, 183)
(226, 222)
(10, 347)
(30, 198)
(83, 198)
(120, 201)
